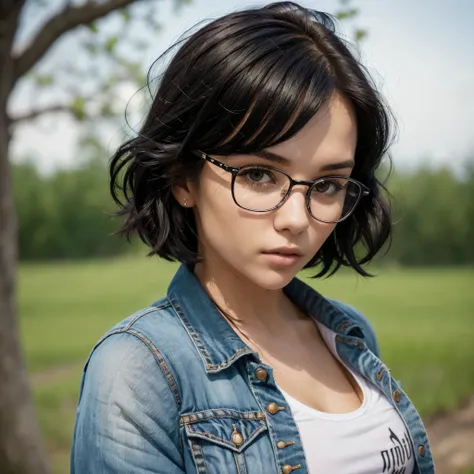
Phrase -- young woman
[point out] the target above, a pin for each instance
(256, 160)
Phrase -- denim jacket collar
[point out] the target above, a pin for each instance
(216, 341)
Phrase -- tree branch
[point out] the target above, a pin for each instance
(10, 7)
(64, 21)
(10, 11)
(35, 113)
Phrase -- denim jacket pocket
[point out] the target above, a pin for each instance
(225, 441)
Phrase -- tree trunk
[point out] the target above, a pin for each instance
(21, 449)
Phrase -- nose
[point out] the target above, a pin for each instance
(293, 215)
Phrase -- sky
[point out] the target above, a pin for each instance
(420, 55)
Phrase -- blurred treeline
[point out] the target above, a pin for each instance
(64, 215)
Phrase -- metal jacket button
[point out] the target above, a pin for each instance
(380, 374)
(237, 438)
(272, 408)
(397, 396)
(421, 450)
(284, 444)
(261, 374)
(288, 469)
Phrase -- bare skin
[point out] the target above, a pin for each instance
(307, 370)
(248, 287)
(303, 366)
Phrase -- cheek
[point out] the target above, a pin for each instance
(319, 234)
(221, 222)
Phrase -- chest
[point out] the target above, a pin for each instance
(239, 421)
(320, 381)
(310, 370)
(371, 439)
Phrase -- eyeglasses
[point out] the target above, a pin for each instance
(256, 188)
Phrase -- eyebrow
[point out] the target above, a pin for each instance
(275, 158)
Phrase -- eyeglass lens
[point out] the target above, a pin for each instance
(260, 189)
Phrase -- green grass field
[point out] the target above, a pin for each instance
(424, 320)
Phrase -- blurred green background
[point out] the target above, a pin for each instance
(76, 279)
(423, 318)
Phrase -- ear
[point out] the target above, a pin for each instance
(182, 193)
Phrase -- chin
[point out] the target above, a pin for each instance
(272, 278)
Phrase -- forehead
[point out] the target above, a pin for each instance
(331, 134)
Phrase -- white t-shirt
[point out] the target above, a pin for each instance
(370, 440)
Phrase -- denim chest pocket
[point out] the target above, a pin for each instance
(226, 441)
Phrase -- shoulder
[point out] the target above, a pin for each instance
(367, 327)
(156, 326)
(144, 342)
(129, 401)
(115, 367)
(142, 318)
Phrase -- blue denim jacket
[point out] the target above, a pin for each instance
(173, 389)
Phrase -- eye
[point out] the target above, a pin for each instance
(257, 176)
(328, 187)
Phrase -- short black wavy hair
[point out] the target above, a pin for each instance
(244, 82)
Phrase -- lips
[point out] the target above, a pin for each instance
(289, 251)
(282, 258)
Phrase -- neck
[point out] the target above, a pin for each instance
(251, 307)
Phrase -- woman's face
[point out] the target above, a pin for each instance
(241, 241)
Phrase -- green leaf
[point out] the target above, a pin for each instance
(93, 27)
(125, 14)
(111, 44)
(360, 34)
(44, 80)
(347, 14)
(78, 108)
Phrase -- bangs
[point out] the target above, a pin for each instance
(267, 99)
(242, 83)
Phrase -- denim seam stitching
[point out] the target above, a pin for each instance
(186, 423)
(127, 326)
(424, 436)
(231, 359)
(236, 461)
(145, 312)
(142, 313)
(269, 425)
(200, 346)
(194, 336)
(237, 457)
(161, 363)
(157, 356)
(196, 453)
(223, 442)
(225, 413)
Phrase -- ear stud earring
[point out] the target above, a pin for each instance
(185, 203)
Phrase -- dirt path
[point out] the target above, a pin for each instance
(452, 439)
(451, 435)
(54, 374)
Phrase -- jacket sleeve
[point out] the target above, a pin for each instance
(365, 324)
(127, 418)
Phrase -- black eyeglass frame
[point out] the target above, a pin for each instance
(235, 170)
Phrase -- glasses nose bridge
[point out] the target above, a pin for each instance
(299, 182)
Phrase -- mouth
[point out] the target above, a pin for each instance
(283, 257)
(286, 251)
